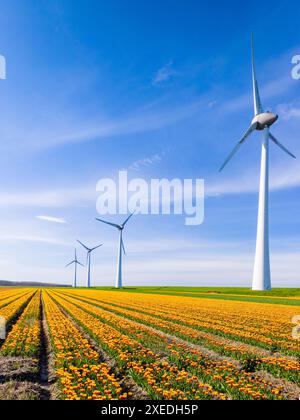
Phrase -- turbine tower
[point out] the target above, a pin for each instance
(75, 262)
(119, 282)
(262, 121)
(88, 261)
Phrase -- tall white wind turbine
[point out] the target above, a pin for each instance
(119, 280)
(262, 121)
(76, 263)
(88, 261)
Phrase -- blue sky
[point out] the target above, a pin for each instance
(160, 88)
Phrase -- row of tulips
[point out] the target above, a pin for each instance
(25, 337)
(11, 297)
(285, 367)
(82, 376)
(268, 326)
(157, 375)
(12, 309)
(8, 294)
(223, 377)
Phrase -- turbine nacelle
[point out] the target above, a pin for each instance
(264, 120)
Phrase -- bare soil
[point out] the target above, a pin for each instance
(15, 390)
(18, 368)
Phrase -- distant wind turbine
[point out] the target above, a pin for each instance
(76, 263)
(262, 121)
(119, 282)
(88, 261)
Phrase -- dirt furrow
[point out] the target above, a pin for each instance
(48, 386)
(27, 378)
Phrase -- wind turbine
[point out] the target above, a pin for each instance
(119, 283)
(75, 262)
(262, 121)
(88, 261)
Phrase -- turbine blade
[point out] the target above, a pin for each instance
(127, 220)
(71, 263)
(237, 147)
(281, 146)
(83, 245)
(79, 263)
(258, 109)
(123, 247)
(96, 247)
(108, 223)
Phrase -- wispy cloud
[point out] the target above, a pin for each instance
(150, 117)
(268, 92)
(146, 162)
(282, 177)
(73, 128)
(248, 182)
(218, 265)
(215, 270)
(63, 197)
(33, 238)
(281, 83)
(164, 74)
(289, 111)
(51, 219)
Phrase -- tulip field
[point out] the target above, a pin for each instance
(92, 344)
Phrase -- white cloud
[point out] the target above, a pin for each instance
(146, 162)
(268, 91)
(51, 219)
(160, 261)
(150, 117)
(289, 111)
(164, 74)
(281, 177)
(64, 197)
(33, 238)
(212, 104)
(53, 131)
(281, 83)
(219, 269)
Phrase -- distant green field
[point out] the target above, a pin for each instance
(276, 296)
(283, 296)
